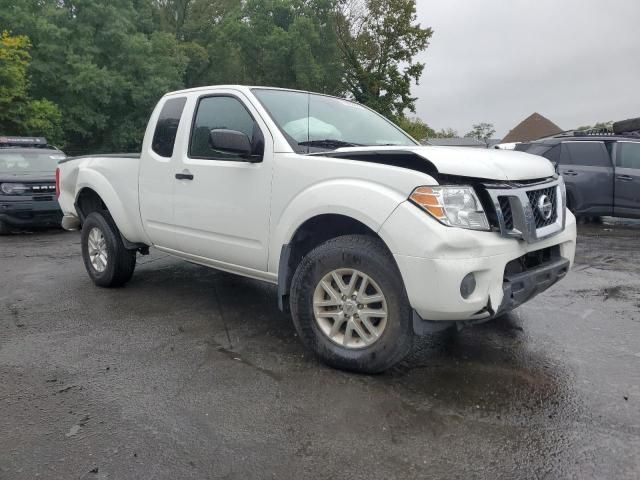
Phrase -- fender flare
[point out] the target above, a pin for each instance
(366, 202)
(93, 180)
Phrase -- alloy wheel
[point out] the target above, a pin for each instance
(350, 308)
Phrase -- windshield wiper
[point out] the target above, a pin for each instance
(329, 143)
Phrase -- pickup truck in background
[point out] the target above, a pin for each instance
(370, 237)
(601, 170)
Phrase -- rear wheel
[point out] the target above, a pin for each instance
(108, 262)
(349, 305)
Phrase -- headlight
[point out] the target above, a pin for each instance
(13, 188)
(452, 205)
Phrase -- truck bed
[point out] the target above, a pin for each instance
(104, 155)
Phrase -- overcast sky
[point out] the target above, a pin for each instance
(576, 62)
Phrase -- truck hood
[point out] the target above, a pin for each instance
(491, 164)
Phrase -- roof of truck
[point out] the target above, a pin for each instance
(243, 88)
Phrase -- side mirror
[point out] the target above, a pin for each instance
(230, 141)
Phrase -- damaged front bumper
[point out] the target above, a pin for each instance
(434, 261)
(521, 287)
(517, 289)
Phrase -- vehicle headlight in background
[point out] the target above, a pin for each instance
(452, 205)
(13, 188)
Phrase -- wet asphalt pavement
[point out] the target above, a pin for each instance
(193, 373)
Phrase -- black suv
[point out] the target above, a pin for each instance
(27, 183)
(601, 170)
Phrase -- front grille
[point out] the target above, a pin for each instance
(534, 200)
(528, 212)
(507, 214)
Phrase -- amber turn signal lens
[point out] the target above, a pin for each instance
(428, 199)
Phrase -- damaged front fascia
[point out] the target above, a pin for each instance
(394, 158)
(413, 161)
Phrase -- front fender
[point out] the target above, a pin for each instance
(122, 205)
(367, 202)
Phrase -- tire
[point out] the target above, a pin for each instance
(370, 258)
(116, 267)
(4, 229)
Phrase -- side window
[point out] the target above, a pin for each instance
(588, 154)
(164, 138)
(218, 112)
(553, 154)
(537, 149)
(628, 155)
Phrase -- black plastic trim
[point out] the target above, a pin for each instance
(284, 279)
(395, 158)
(519, 288)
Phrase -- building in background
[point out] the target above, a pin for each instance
(533, 127)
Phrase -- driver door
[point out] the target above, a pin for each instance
(221, 201)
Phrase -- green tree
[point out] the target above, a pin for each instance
(379, 40)
(606, 126)
(19, 113)
(287, 43)
(103, 63)
(446, 133)
(416, 128)
(482, 132)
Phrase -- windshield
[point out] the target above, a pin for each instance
(17, 162)
(318, 123)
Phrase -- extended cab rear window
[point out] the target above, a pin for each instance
(164, 138)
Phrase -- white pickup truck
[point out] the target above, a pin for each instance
(370, 237)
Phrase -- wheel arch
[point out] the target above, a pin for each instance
(90, 199)
(307, 236)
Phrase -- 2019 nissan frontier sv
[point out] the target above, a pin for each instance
(370, 237)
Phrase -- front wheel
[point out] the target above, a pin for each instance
(108, 262)
(349, 305)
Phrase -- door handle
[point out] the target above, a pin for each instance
(625, 178)
(570, 173)
(186, 175)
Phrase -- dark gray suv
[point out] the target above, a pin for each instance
(27, 183)
(601, 171)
